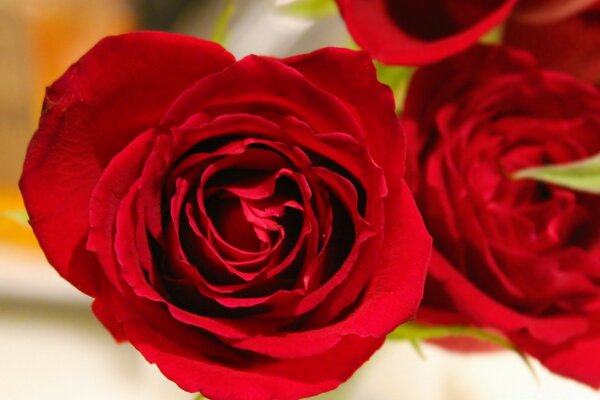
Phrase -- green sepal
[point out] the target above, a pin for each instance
(397, 78)
(313, 9)
(221, 31)
(582, 175)
(19, 216)
(494, 36)
(415, 333)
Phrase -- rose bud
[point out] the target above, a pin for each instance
(518, 257)
(244, 224)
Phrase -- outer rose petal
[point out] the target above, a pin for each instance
(469, 304)
(405, 252)
(270, 83)
(372, 26)
(568, 362)
(570, 45)
(267, 379)
(332, 69)
(98, 106)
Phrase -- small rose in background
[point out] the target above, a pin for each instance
(244, 224)
(407, 32)
(515, 256)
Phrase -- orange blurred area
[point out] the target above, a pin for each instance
(13, 228)
(39, 40)
(61, 31)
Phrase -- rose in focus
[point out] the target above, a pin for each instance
(244, 224)
(519, 257)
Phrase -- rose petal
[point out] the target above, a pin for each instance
(79, 133)
(276, 87)
(331, 69)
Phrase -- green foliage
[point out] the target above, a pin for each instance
(494, 36)
(220, 33)
(583, 175)
(416, 333)
(311, 8)
(19, 216)
(397, 78)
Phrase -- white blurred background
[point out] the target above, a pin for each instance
(51, 347)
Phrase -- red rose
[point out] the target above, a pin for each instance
(519, 257)
(244, 224)
(408, 32)
(571, 44)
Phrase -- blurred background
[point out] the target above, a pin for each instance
(50, 344)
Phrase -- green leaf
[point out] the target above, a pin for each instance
(397, 78)
(199, 397)
(494, 36)
(19, 216)
(416, 345)
(220, 32)
(351, 44)
(583, 175)
(418, 332)
(311, 8)
(415, 333)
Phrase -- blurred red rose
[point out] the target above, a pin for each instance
(244, 224)
(518, 257)
(406, 32)
(570, 44)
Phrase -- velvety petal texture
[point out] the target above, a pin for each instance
(244, 224)
(407, 32)
(518, 257)
(568, 43)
